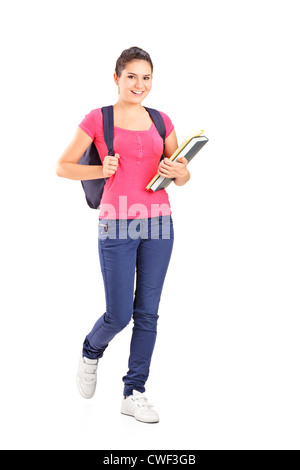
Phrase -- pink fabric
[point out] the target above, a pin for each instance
(125, 195)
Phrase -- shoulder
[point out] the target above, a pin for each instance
(166, 118)
(95, 114)
(164, 115)
(168, 123)
(92, 123)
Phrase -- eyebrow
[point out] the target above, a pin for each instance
(131, 73)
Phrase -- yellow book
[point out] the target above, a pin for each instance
(188, 149)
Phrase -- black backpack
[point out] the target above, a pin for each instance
(94, 188)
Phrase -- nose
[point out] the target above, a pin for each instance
(139, 83)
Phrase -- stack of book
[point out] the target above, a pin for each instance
(188, 149)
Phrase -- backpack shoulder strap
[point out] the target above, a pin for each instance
(159, 124)
(158, 121)
(108, 127)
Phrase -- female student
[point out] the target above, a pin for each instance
(135, 232)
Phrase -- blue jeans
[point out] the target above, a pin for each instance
(126, 247)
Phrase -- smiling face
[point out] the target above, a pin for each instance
(135, 81)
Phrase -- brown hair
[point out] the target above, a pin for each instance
(133, 53)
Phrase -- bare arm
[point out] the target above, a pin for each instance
(68, 167)
(178, 169)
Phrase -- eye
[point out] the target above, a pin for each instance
(132, 76)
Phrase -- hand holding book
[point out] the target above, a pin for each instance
(170, 168)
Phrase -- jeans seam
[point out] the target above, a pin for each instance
(105, 287)
(105, 276)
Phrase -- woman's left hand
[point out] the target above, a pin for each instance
(169, 169)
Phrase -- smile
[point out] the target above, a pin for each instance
(137, 92)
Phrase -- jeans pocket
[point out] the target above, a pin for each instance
(102, 229)
(107, 228)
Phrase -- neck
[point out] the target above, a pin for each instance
(127, 107)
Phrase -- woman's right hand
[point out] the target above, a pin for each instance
(110, 165)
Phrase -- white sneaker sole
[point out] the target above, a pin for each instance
(150, 421)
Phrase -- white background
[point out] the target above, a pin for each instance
(225, 370)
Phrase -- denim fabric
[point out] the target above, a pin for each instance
(128, 247)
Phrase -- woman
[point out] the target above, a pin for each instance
(135, 226)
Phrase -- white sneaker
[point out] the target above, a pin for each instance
(137, 405)
(87, 376)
